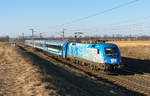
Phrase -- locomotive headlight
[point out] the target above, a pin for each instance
(105, 61)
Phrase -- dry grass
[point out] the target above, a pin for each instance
(18, 77)
(136, 54)
(26, 74)
(3, 43)
(131, 43)
(136, 57)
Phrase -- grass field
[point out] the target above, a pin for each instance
(136, 54)
(131, 43)
(3, 43)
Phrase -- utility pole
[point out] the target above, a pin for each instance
(75, 35)
(23, 36)
(78, 35)
(63, 33)
(32, 36)
(40, 35)
(113, 36)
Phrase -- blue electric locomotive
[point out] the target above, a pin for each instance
(103, 56)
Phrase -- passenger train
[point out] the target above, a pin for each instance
(99, 56)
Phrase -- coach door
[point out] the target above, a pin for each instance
(64, 51)
(65, 48)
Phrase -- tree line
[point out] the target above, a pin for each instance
(4, 38)
(71, 38)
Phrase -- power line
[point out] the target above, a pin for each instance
(63, 33)
(135, 19)
(102, 12)
(119, 24)
(131, 25)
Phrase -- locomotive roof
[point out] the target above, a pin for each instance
(98, 44)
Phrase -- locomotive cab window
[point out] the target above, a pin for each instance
(111, 52)
(38, 44)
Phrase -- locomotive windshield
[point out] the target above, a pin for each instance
(111, 52)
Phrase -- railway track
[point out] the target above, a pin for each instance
(146, 76)
(143, 77)
(137, 83)
(131, 82)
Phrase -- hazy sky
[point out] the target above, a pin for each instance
(47, 16)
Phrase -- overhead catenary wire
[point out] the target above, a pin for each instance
(137, 23)
(128, 21)
(100, 13)
(136, 26)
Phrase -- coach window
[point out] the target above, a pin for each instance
(97, 51)
(54, 46)
(93, 45)
(73, 43)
